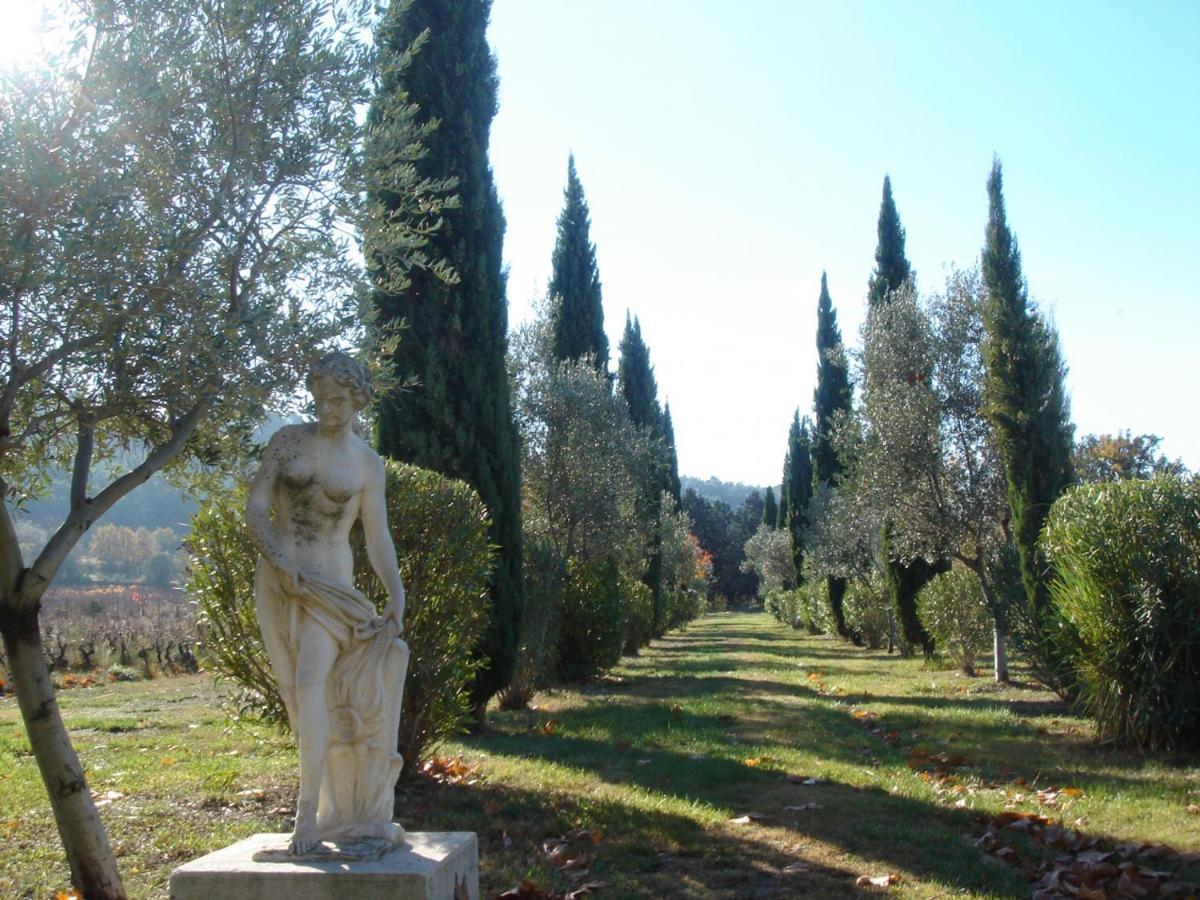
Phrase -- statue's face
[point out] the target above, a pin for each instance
(334, 403)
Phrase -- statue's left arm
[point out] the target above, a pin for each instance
(380, 549)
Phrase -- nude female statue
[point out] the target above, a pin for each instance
(340, 665)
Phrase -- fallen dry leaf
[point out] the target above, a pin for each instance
(802, 807)
(753, 762)
(1193, 808)
(795, 868)
(800, 779)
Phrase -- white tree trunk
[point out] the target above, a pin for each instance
(93, 866)
(1000, 653)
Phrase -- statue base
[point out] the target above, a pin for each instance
(429, 866)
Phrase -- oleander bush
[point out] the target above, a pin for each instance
(952, 609)
(1126, 557)
(865, 606)
(439, 527)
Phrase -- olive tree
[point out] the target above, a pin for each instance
(178, 187)
(928, 459)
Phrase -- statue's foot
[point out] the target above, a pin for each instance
(304, 838)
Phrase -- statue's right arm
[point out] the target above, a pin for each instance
(258, 513)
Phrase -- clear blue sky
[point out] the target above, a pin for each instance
(731, 152)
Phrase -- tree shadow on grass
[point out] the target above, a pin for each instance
(652, 852)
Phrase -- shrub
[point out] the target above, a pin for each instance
(639, 614)
(1127, 562)
(866, 610)
(786, 606)
(952, 609)
(439, 527)
(591, 623)
(545, 577)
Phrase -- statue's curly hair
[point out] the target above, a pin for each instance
(346, 371)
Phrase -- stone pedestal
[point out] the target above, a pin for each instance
(431, 866)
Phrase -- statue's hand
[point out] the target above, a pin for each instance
(395, 611)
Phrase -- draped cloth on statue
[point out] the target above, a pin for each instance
(363, 695)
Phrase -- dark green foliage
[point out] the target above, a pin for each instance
(723, 533)
(1026, 402)
(891, 265)
(545, 580)
(440, 530)
(903, 582)
(575, 281)
(592, 623)
(668, 431)
(831, 402)
(1126, 558)
(831, 398)
(797, 487)
(458, 419)
(635, 380)
(771, 511)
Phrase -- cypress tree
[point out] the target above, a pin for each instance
(668, 432)
(771, 510)
(797, 487)
(891, 264)
(1026, 401)
(458, 419)
(892, 269)
(575, 281)
(831, 397)
(635, 380)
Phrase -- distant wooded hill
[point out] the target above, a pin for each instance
(733, 493)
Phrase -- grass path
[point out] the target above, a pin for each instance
(662, 762)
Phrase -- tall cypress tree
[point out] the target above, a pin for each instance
(797, 487)
(771, 510)
(635, 380)
(830, 398)
(891, 265)
(1026, 401)
(892, 269)
(668, 432)
(575, 281)
(458, 419)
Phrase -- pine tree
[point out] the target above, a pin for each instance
(575, 281)
(635, 380)
(668, 432)
(830, 399)
(1026, 401)
(892, 269)
(771, 510)
(797, 487)
(891, 265)
(458, 419)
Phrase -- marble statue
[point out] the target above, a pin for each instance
(340, 665)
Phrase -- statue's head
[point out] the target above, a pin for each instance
(346, 371)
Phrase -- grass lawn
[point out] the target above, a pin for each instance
(687, 768)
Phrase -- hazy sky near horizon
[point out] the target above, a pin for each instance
(730, 154)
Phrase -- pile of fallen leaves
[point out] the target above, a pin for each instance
(450, 770)
(1086, 867)
(572, 854)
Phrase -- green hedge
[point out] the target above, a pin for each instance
(439, 527)
(1127, 562)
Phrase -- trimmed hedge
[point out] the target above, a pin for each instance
(439, 527)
